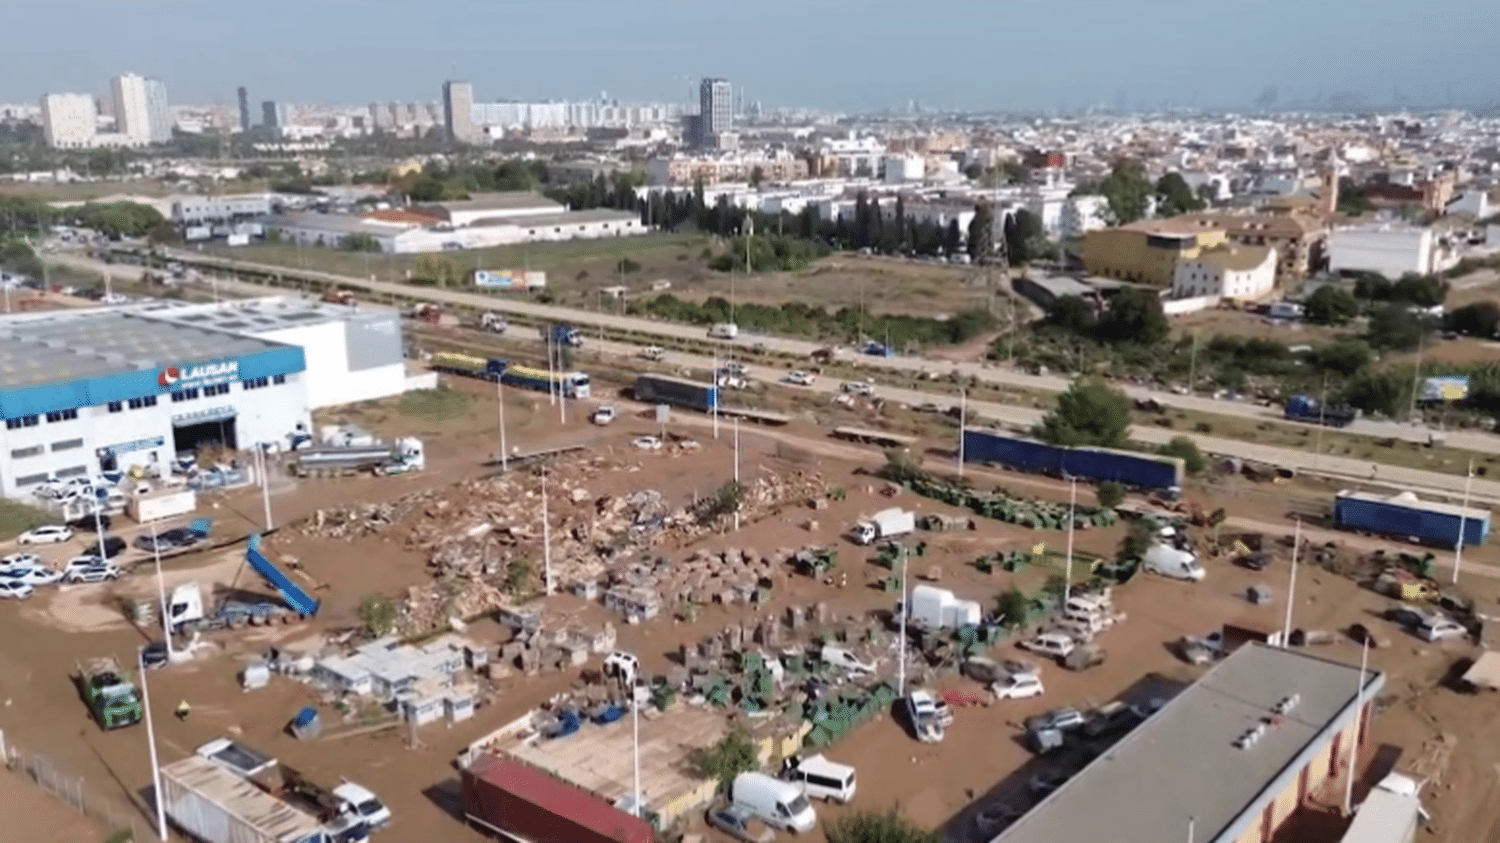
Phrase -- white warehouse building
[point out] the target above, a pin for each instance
(1245, 273)
(1391, 251)
(87, 391)
(197, 210)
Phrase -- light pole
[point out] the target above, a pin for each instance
(635, 744)
(716, 392)
(736, 467)
(1359, 718)
(546, 535)
(500, 400)
(1291, 588)
(161, 591)
(161, 809)
(1068, 564)
(901, 635)
(265, 483)
(1463, 523)
(963, 420)
(1322, 422)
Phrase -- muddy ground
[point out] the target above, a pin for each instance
(936, 785)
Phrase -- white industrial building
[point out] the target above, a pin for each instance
(1227, 272)
(492, 206)
(86, 391)
(1390, 250)
(898, 169)
(201, 210)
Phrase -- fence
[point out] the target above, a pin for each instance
(119, 822)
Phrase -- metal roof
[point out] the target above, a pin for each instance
(254, 316)
(515, 200)
(335, 224)
(269, 815)
(1184, 763)
(561, 799)
(1411, 501)
(38, 349)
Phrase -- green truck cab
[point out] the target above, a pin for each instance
(111, 695)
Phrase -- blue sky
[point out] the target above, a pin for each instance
(821, 53)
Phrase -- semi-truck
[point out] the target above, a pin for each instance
(1308, 409)
(1142, 471)
(111, 695)
(341, 807)
(516, 802)
(213, 805)
(885, 524)
(678, 392)
(562, 335)
(1405, 516)
(188, 612)
(570, 384)
(381, 458)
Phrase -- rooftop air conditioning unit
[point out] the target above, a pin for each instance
(1250, 737)
(1286, 704)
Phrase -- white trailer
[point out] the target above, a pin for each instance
(214, 805)
(154, 507)
(885, 524)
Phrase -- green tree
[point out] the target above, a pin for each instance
(1134, 315)
(1186, 449)
(18, 256)
(1025, 239)
(953, 238)
(359, 242)
(1352, 201)
(1174, 196)
(733, 754)
(1480, 319)
(1396, 328)
(1138, 539)
(1330, 305)
(1014, 607)
(1342, 358)
(379, 614)
(1420, 290)
(1127, 191)
(1072, 314)
(982, 233)
(1110, 494)
(1090, 412)
(757, 176)
(871, 827)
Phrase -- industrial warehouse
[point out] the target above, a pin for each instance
(134, 387)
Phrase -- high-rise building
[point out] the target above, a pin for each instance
(68, 120)
(715, 109)
(158, 111)
(132, 108)
(272, 117)
(244, 96)
(458, 111)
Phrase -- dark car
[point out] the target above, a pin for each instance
(154, 655)
(109, 547)
(181, 537)
(86, 524)
(740, 824)
(154, 544)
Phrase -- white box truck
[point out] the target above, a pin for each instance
(885, 524)
(931, 607)
(156, 506)
(214, 805)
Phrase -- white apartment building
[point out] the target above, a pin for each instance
(1227, 272)
(1390, 250)
(854, 155)
(898, 169)
(158, 111)
(132, 107)
(69, 120)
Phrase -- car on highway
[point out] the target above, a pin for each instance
(15, 590)
(861, 388)
(46, 534)
(653, 353)
(799, 378)
(647, 443)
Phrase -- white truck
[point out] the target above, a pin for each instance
(213, 805)
(930, 607)
(399, 457)
(724, 331)
(1391, 813)
(885, 524)
(154, 507)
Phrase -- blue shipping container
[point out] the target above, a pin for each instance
(1434, 524)
(661, 389)
(1023, 454)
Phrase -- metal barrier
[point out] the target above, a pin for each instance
(119, 822)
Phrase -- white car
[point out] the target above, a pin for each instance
(799, 378)
(1439, 627)
(89, 569)
(359, 801)
(39, 575)
(15, 590)
(1018, 686)
(1053, 644)
(864, 388)
(647, 443)
(732, 382)
(48, 534)
(653, 353)
(20, 560)
(604, 415)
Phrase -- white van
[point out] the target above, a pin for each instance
(820, 778)
(1089, 603)
(779, 804)
(1171, 562)
(724, 331)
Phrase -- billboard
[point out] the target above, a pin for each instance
(510, 279)
(1446, 388)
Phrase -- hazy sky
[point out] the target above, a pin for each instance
(822, 53)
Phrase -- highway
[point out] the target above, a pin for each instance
(985, 372)
(1356, 471)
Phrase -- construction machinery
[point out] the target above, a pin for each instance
(189, 612)
(111, 696)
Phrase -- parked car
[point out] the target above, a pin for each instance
(1439, 627)
(154, 544)
(182, 537)
(1113, 719)
(1047, 781)
(47, 534)
(1053, 644)
(20, 560)
(154, 655)
(39, 575)
(109, 547)
(647, 443)
(740, 824)
(862, 388)
(604, 415)
(1018, 686)
(87, 524)
(15, 590)
(1065, 719)
(799, 378)
(652, 353)
(90, 569)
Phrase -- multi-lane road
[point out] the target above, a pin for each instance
(1386, 476)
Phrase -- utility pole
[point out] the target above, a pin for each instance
(500, 401)
(546, 535)
(1291, 588)
(737, 468)
(1416, 378)
(1322, 414)
(1068, 564)
(1359, 723)
(963, 420)
(901, 653)
(160, 798)
(1193, 365)
(1463, 523)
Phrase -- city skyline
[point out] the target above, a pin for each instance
(657, 50)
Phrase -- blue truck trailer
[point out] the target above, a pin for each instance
(1404, 516)
(1308, 409)
(1142, 471)
(678, 392)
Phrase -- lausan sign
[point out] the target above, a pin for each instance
(206, 374)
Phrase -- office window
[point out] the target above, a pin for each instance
(62, 415)
(22, 421)
(184, 395)
(216, 389)
(75, 471)
(31, 480)
(142, 403)
(116, 407)
(255, 383)
(279, 379)
(67, 445)
(22, 453)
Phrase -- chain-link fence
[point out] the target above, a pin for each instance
(119, 822)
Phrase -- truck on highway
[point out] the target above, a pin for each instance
(111, 696)
(399, 457)
(1405, 516)
(678, 392)
(1141, 471)
(724, 331)
(516, 802)
(1308, 409)
(213, 805)
(562, 335)
(885, 524)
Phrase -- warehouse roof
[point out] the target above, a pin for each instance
(1184, 761)
(513, 200)
(254, 316)
(564, 218)
(561, 799)
(56, 347)
(270, 816)
(333, 224)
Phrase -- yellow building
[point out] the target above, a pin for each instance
(1146, 252)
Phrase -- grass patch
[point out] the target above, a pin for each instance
(16, 518)
(439, 404)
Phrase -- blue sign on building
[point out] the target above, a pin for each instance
(133, 446)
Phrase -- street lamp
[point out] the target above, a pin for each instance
(161, 809)
(901, 635)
